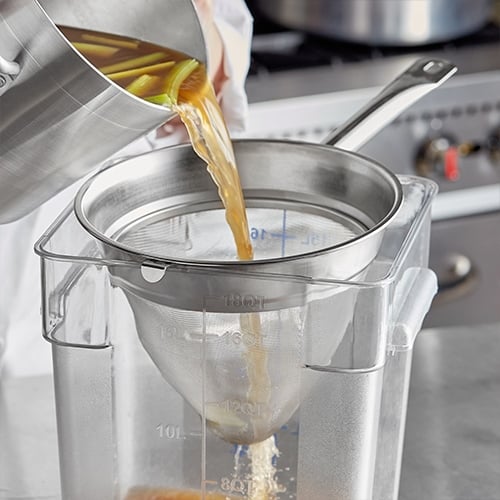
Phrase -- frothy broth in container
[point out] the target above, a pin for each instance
(167, 77)
(170, 494)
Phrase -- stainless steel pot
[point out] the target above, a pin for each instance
(60, 117)
(381, 22)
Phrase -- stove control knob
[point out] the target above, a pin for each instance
(440, 157)
(456, 276)
(493, 145)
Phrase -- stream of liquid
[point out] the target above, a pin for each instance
(201, 114)
(147, 70)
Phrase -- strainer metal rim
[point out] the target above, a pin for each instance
(389, 176)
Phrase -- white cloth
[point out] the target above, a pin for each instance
(26, 353)
(235, 26)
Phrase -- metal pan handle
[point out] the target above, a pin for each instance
(420, 78)
(8, 70)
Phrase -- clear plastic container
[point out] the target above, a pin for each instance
(341, 360)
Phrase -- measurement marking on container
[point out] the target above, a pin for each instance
(210, 485)
(236, 485)
(169, 431)
(283, 241)
(248, 338)
(252, 409)
(263, 234)
(315, 239)
(245, 300)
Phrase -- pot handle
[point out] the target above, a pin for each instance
(8, 70)
(420, 78)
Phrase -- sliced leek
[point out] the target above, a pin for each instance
(142, 85)
(124, 44)
(139, 71)
(161, 99)
(136, 62)
(178, 74)
(92, 49)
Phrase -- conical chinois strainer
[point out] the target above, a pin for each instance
(315, 212)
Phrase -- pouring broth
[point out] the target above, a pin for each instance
(170, 78)
(166, 77)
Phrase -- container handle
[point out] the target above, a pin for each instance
(413, 300)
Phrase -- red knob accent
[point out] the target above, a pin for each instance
(451, 168)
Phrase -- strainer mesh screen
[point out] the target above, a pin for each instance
(205, 235)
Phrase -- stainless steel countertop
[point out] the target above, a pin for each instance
(452, 445)
(29, 467)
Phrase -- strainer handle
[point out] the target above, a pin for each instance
(420, 78)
